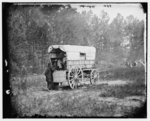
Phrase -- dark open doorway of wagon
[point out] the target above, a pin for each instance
(58, 59)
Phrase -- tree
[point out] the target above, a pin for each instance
(116, 33)
(99, 33)
(135, 32)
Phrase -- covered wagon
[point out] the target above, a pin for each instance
(73, 64)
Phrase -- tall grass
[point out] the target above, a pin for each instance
(34, 101)
(21, 85)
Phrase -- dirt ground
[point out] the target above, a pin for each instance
(107, 98)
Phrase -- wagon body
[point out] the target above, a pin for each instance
(78, 59)
(76, 55)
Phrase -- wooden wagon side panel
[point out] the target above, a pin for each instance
(80, 63)
(59, 76)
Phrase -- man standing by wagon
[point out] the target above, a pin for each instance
(49, 76)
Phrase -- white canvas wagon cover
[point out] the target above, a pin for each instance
(75, 52)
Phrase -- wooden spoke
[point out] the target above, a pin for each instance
(79, 72)
(72, 84)
(71, 76)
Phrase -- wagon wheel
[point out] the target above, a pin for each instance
(74, 77)
(94, 76)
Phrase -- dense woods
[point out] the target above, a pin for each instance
(32, 29)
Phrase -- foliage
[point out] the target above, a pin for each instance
(33, 28)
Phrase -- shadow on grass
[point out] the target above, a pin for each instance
(65, 88)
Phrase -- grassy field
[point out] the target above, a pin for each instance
(118, 93)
